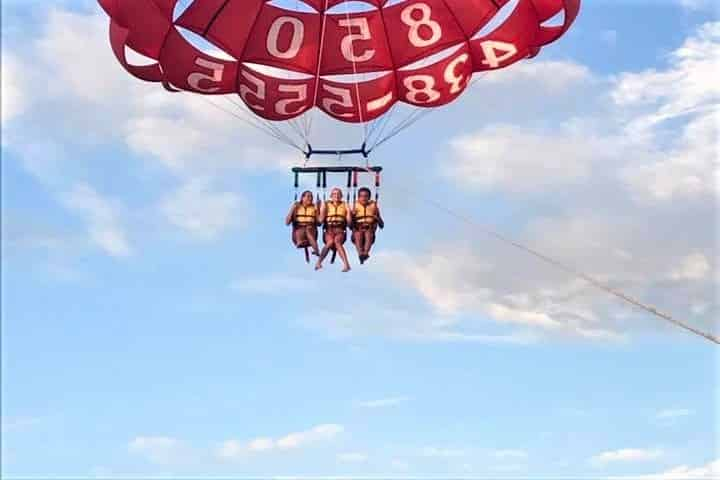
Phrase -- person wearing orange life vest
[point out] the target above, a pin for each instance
(366, 218)
(304, 217)
(335, 217)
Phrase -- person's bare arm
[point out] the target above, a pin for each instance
(289, 218)
(381, 222)
(322, 214)
(348, 216)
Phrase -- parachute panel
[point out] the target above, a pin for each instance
(355, 43)
(358, 101)
(437, 84)
(419, 29)
(284, 39)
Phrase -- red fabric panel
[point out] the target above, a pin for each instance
(359, 37)
(147, 25)
(340, 100)
(510, 42)
(110, 7)
(188, 68)
(167, 7)
(225, 23)
(550, 34)
(436, 84)
(118, 41)
(284, 39)
(546, 9)
(417, 29)
(200, 14)
(274, 98)
(472, 14)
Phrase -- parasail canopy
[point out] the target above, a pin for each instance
(354, 63)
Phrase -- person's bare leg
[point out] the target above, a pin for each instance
(357, 237)
(369, 240)
(312, 238)
(343, 254)
(326, 249)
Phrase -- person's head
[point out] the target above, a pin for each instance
(364, 195)
(307, 198)
(336, 195)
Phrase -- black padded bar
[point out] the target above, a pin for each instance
(348, 151)
(337, 169)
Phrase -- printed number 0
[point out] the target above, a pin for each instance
(414, 34)
(298, 33)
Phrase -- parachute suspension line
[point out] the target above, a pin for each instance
(317, 72)
(294, 122)
(355, 75)
(404, 124)
(268, 131)
(257, 122)
(268, 124)
(382, 122)
(417, 115)
(561, 266)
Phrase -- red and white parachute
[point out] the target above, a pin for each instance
(379, 46)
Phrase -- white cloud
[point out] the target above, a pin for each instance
(467, 283)
(352, 457)
(12, 96)
(673, 413)
(626, 455)
(436, 452)
(399, 464)
(203, 213)
(402, 324)
(683, 472)
(621, 190)
(383, 402)
(102, 219)
(510, 454)
(235, 449)
(272, 284)
(158, 449)
(692, 267)
(504, 157)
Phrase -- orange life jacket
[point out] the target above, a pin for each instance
(304, 216)
(336, 215)
(366, 214)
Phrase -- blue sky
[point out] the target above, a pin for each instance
(156, 321)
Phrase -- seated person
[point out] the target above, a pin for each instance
(335, 217)
(365, 220)
(303, 216)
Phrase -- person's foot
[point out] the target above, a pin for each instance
(346, 269)
(318, 266)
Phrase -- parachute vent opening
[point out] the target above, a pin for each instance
(293, 6)
(351, 6)
(556, 20)
(138, 59)
(275, 72)
(180, 7)
(204, 45)
(434, 58)
(498, 19)
(390, 3)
